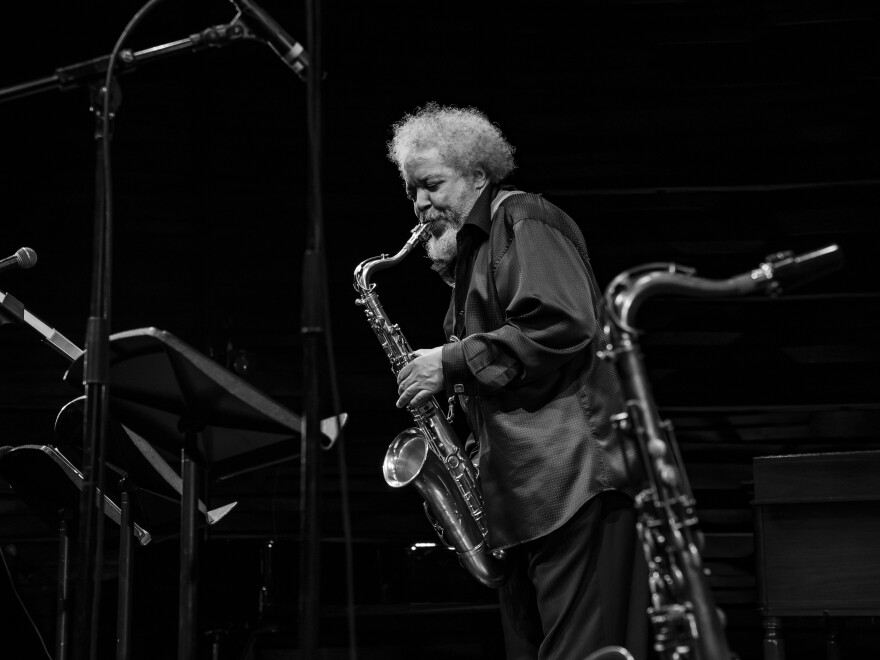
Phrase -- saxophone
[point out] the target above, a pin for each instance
(685, 622)
(430, 456)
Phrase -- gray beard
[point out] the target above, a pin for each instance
(442, 249)
(441, 245)
(442, 252)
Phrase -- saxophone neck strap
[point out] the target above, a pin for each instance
(500, 197)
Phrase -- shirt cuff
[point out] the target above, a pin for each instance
(456, 374)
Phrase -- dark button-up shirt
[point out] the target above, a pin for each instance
(524, 319)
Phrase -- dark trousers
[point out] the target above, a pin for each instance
(580, 588)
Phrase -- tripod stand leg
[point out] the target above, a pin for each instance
(186, 644)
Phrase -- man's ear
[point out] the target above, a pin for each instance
(481, 180)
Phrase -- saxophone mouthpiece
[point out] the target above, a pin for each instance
(794, 270)
(419, 234)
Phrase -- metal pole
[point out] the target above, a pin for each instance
(63, 590)
(313, 340)
(105, 102)
(187, 638)
(123, 617)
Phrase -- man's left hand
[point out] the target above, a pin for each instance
(421, 378)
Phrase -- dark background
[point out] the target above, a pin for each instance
(709, 134)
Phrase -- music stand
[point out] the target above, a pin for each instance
(50, 484)
(190, 406)
(154, 483)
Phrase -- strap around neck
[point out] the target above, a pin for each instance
(504, 194)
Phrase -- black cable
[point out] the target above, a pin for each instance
(97, 369)
(108, 80)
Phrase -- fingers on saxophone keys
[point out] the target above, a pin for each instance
(411, 397)
(403, 397)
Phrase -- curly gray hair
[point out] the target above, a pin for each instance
(467, 140)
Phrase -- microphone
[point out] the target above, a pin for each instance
(263, 25)
(23, 258)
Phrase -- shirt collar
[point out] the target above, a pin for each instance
(480, 217)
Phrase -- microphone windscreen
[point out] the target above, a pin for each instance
(26, 257)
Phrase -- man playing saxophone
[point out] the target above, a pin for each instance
(522, 334)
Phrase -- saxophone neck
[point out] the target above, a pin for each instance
(625, 295)
(363, 273)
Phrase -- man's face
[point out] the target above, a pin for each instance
(442, 198)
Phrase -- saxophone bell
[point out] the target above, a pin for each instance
(410, 461)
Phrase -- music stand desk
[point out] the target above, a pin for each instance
(160, 387)
(189, 405)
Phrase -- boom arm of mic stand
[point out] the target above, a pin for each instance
(82, 73)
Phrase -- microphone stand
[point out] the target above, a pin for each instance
(96, 368)
(95, 380)
(105, 100)
(75, 75)
(313, 331)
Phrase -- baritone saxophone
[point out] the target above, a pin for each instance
(430, 456)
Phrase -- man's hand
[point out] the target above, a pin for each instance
(421, 378)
